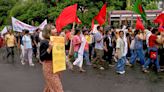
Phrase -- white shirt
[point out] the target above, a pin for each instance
(148, 34)
(120, 45)
(125, 41)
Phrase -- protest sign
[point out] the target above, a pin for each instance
(58, 53)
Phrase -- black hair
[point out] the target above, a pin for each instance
(84, 30)
(154, 30)
(106, 32)
(127, 34)
(121, 31)
(149, 28)
(77, 30)
(136, 32)
(37, 30)
(26, 31)
(98, 27)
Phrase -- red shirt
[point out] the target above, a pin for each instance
(152, 40)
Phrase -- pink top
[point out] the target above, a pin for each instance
(86, 48)
(76, 43)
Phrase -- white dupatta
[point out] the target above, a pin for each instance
(79, 60)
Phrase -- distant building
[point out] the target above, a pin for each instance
(120, 17)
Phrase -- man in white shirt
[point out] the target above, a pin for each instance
(120, 50)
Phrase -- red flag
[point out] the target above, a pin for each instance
(67, 16)
(139, 25)
(101, 16)
(78, 20)
(160, 19)
(92, 26)
(161, 29)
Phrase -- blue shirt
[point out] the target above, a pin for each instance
(27, 41)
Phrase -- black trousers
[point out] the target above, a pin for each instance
(108, 55)
(161, 54)
(10, 51)
(90, 51)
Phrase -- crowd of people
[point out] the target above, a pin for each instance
(103, 48)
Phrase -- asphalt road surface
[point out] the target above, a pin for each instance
(17, 78)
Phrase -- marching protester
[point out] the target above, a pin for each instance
(52, 80)
(153, 51)
(27, 45)
(99, 48)
(10, 42)
(139, 37)
(108, 45)
(20, 44)
(120, 45)
(77, 43)
(126, 44)
(86, 48)
(36, 42)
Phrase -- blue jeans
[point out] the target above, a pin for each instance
(124, 58)
(120, 66)
(138, 53)
(132, 53)
(86, 57)
(156, 61)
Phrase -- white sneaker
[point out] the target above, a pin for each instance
(32, 64)
(102, 68)
(120, 72)
(23, 63)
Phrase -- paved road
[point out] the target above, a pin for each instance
(17, 78)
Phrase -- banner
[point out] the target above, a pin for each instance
(4, 31)
(41, 26)
(58, 54)
(19, 26)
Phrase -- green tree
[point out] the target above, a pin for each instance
(28, 11)
(5, 7)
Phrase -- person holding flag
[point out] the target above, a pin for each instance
(138, 46)
(139, 9)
